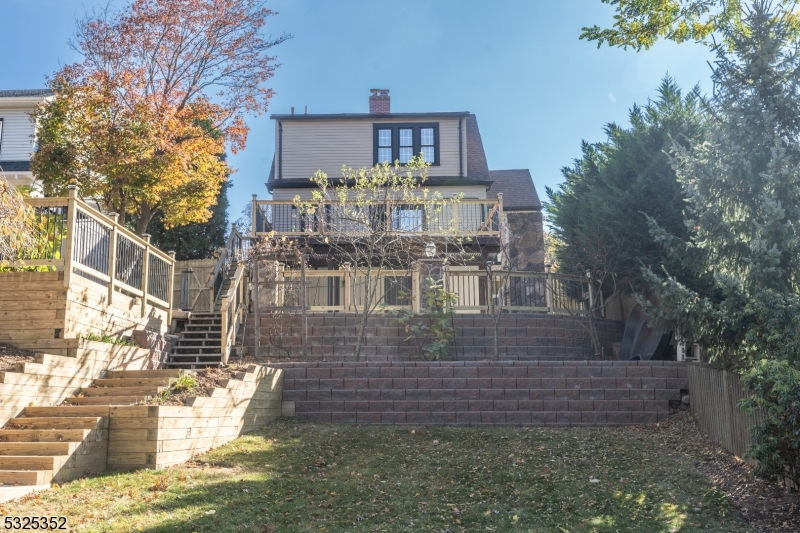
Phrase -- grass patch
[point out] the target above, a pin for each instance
(120, 341)
(296, 476)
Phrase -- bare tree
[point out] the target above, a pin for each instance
(376, 223)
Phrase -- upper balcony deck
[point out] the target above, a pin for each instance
(462, 218)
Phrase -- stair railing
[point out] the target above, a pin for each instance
(234, 305)
(235, 249)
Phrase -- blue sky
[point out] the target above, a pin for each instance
(517, 64)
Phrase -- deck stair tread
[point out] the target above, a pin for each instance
(198, 345)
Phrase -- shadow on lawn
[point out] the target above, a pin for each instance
(291, 492)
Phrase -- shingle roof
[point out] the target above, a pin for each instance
(15, 93)
(519, 192)
(15, 166)
(477, 167)
(378, 116)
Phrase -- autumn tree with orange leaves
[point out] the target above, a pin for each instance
(142, 123)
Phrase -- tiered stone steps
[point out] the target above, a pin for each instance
(512, 393)
(47, 444)
(521, 337)
(199, 343)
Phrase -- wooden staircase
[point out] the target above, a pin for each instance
(56, 444)
(199, 344)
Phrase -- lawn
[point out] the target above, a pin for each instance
(298, 476)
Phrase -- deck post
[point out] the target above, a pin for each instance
(145, 272)
(170, 290)
(224, 330)
(347, 287)
(415, 288)
(256, 301)
(548, 287)
(112, 256)
(304, 304)
(591, 292)
(72, 206)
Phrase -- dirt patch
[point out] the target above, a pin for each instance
(11, 355)
(205, 381)
(768, 507)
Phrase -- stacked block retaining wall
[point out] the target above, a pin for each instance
(521, 336)
(516, 393)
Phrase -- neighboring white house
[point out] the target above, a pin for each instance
(17, 133)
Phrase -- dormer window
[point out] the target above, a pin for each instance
(401, 142)
(384, 146)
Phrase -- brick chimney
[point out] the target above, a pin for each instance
(379, 102)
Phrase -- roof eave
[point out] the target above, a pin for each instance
(371, 116)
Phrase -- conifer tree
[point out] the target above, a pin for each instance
(598, 213)
(743, 208)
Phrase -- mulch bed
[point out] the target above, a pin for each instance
(768, 507)
(207, 380)
(11, 355)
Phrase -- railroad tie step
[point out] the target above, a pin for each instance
(26, 477)
(107, 400)
(121, 391)
(134, 382)
(43, 435)
(54, 422)
(37, 448)
(27, 462)
(143, 373)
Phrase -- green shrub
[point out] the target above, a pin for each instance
(774, 388)
(433, 326)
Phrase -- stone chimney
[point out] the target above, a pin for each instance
(379, 102)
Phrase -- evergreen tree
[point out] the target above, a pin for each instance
(743, 210)
(598, 212)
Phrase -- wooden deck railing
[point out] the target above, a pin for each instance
(233, 309)
(345, 289)
(72, 236)
(462, 217)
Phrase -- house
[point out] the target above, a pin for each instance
(17, 133)
(449, 141)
